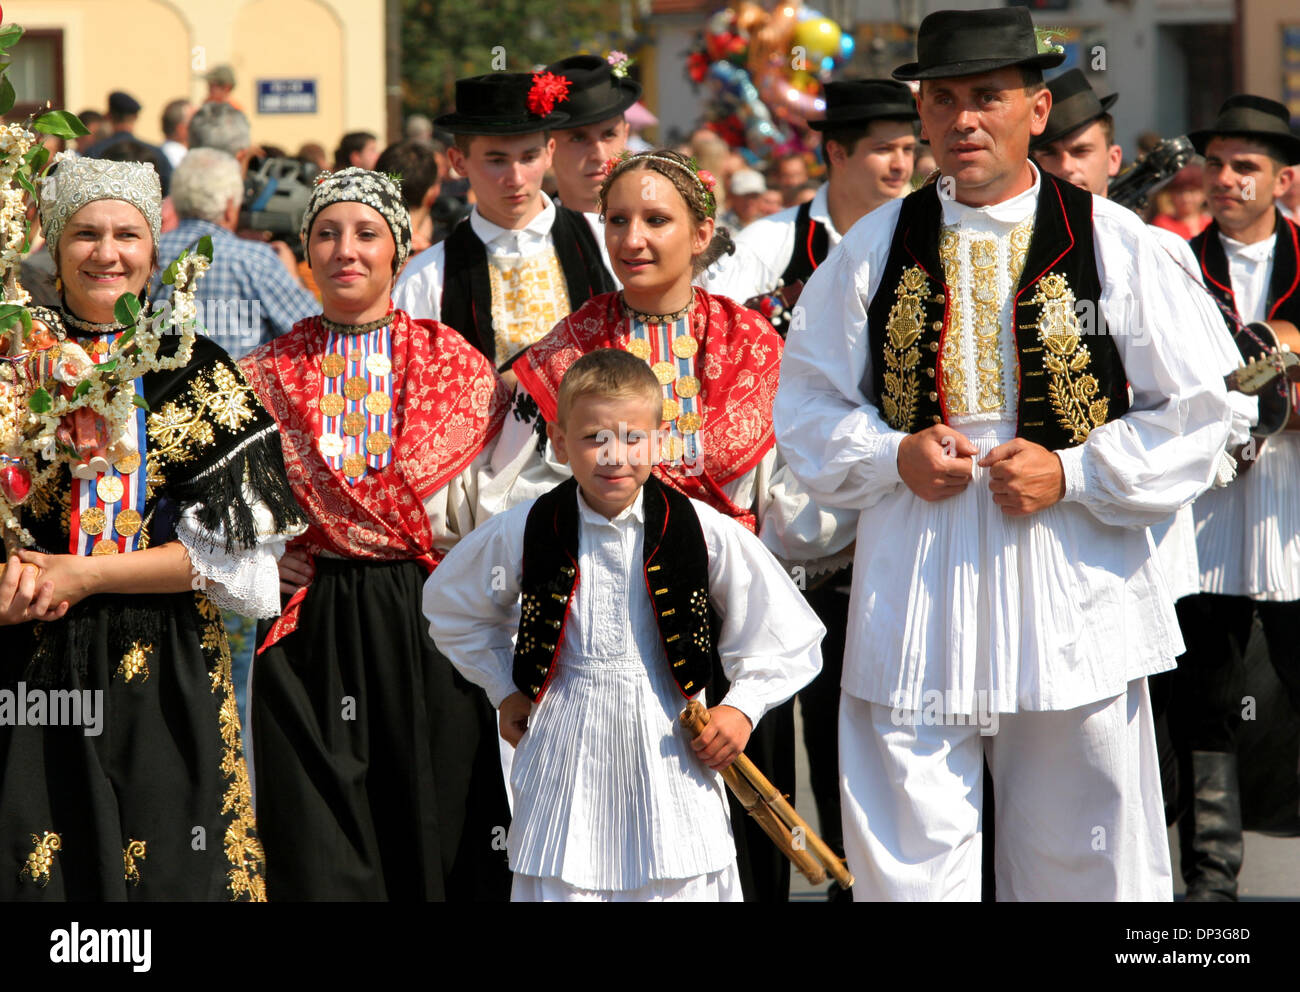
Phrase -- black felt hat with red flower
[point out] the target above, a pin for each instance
(507, 103)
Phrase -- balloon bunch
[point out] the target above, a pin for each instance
(765, 69)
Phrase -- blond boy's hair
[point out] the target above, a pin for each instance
(608, 372)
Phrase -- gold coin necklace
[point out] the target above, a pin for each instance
(356, 401)
(108, 508)
(669, 345)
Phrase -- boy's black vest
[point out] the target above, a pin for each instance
(467, 287)
(676, 568)
(811, 244)
(1284, 285)
(1069, 383)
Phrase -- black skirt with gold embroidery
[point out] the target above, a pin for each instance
(122, 772)
(378, 771)
(127, 780)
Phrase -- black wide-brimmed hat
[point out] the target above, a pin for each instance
(597, 94)
(498, 103)
(1251, 117)
(1074, 104)
(967, 42)
(857, 101)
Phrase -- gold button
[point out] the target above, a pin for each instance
(937, 325)
(930, 373)
(934, 345)
(933, 396)
(937, 419)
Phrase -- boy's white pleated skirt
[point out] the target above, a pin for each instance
(718, 886)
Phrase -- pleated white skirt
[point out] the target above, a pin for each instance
(1248, 533)
(608, 793)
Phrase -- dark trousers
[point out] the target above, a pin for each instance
(1206, 706)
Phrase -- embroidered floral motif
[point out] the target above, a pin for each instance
(135, 662)
(529, 297)
(902, 355)
(987, 325)
(1071, 389)
(180, 430)
(953, 369)
(243, 849)
(40, 862)
(133, 850)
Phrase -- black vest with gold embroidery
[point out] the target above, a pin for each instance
(676, 565)
(1067, 385)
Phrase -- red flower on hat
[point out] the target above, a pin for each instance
(548, 89)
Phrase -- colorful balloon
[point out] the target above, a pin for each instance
(818, 37)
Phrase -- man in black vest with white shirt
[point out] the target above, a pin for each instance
(989, 371)
(519, 263)
(1248, 534)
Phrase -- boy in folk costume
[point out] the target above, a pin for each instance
(519, 263)
(619, 578)
(941, 383)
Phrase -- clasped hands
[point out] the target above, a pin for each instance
(1024, 477)
(27, 593)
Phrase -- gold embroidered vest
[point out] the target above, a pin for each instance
(1069, 375)
(529, 298)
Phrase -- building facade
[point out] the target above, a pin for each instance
(305, 70)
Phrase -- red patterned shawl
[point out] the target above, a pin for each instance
(448, 404)
(738, 365)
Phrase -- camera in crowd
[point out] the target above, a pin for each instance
(275, 198)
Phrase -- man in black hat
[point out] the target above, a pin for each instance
(989, 371)
(596, 130)
(519, 263)
(1078, 144)
(123, 112)
(868, 142)
(1248, 534)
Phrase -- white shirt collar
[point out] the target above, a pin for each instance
(635, 512)
(1011, 211)
(510, 239)
(1256, 251)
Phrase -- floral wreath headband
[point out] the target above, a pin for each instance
(703, 178)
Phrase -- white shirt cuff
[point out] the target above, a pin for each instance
(1072, 463)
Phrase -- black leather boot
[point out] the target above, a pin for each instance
(1209, 833)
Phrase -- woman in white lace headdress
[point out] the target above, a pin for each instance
(124, 777)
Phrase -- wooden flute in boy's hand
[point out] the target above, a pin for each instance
(774, 814)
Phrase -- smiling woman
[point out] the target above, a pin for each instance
(377, 763)
(135, 561)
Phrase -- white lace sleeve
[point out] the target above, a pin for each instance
(246, 582)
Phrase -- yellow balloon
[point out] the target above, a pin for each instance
(818, 37)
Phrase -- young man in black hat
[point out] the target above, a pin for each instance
(868, 141)
(961, 375)
(1078, 144)
(1248, 534)
(520, 263)
(596, 130)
